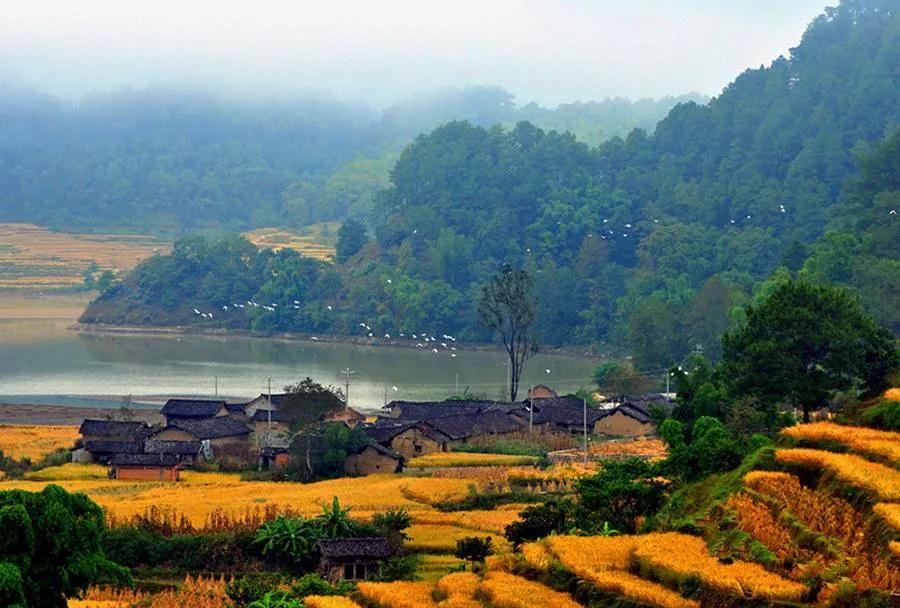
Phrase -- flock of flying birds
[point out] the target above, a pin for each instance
(421, 340)
(426, 340)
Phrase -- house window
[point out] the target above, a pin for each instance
(349, 572)
(417, 448)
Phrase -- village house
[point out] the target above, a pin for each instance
(101, 439)
(461, 429)
(352, 559)
(193, 409)
(625, 420)
(145, 467)
(407, 438)
(560, 415)
(373, 459)
(187, 451)
(219, 432)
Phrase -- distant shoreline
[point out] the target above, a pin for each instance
(148, 330)
(24, 414)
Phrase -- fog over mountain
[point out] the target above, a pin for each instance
(381, 52)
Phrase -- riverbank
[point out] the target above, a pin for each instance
(102, 328)
(64, 415)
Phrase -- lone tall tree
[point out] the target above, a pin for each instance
(508, 308)
(803, 343)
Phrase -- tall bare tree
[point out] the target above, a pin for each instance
(508, 307)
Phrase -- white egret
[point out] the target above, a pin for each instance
(196, 312)
(395, 389)
(314, 339)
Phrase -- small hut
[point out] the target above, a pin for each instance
(352, 559)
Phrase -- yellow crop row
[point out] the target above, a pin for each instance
(400, 594)
(758, 521)
(635, 588)
(199, 500)
(879, 479)
(470, 459)
(894, 546)
(69, 472)
(328, 601)
(509, 591)
(859, 439)
(484, 521)
(463, 584)
(686, 556)
(892, 394)
(35, 441)
(890, 512)
(425, 538)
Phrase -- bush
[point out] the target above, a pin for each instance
(552, 517)
(883, 415)
(400, 568)
(619, 494)
(251, 587)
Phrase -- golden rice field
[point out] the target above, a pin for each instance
(687, 556)
(649, 448)
(400, 594)
(316, 241)
(470, 459)
(505, 590)
(892, 394)
(864, 440)
(35, 257)
(200, 495)
(889, 512)
(427, 538)
(69, 472)
(487, 521)
(35, 441)
(196, 592)
(881, 480)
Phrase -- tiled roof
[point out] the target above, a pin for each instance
(382, 432)
(236, 408)
(463, 426)
(424, 410)
(192, 408)
(112, 428)
(160, 460)
(212, 428)
(564, 411)
(349, 548)
(113, 447)
(263, 416)
(161, 446)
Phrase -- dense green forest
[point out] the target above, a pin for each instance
(159, 160)
(653, 242)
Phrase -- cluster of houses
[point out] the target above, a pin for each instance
(258, 431)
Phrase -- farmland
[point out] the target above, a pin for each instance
(315, 241)
(35, 441)
(35, 258)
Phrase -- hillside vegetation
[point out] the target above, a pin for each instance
(654, 242)
(173, 161)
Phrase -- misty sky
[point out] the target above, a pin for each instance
(379, 51)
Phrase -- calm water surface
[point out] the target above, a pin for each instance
(43, 362)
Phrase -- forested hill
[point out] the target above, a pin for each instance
(653, 242)
(161, 160)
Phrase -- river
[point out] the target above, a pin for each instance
(41, 361)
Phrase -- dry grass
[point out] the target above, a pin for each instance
(470, 459)
(34, 257)
(881, 480)
(35, 441)
(316, 241)
(864, 440)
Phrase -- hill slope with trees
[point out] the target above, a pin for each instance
(655, 241)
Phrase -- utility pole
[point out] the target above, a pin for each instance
(347, 373)
(216, 389)
(531, 412)
(457, 384)
(269, 410)
(584, 422)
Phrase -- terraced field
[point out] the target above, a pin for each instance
(316, 241)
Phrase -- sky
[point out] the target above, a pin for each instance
(381, 51)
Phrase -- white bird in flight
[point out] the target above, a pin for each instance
(196, 312)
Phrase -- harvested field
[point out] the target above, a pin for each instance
(32, 257)
(316, 241)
